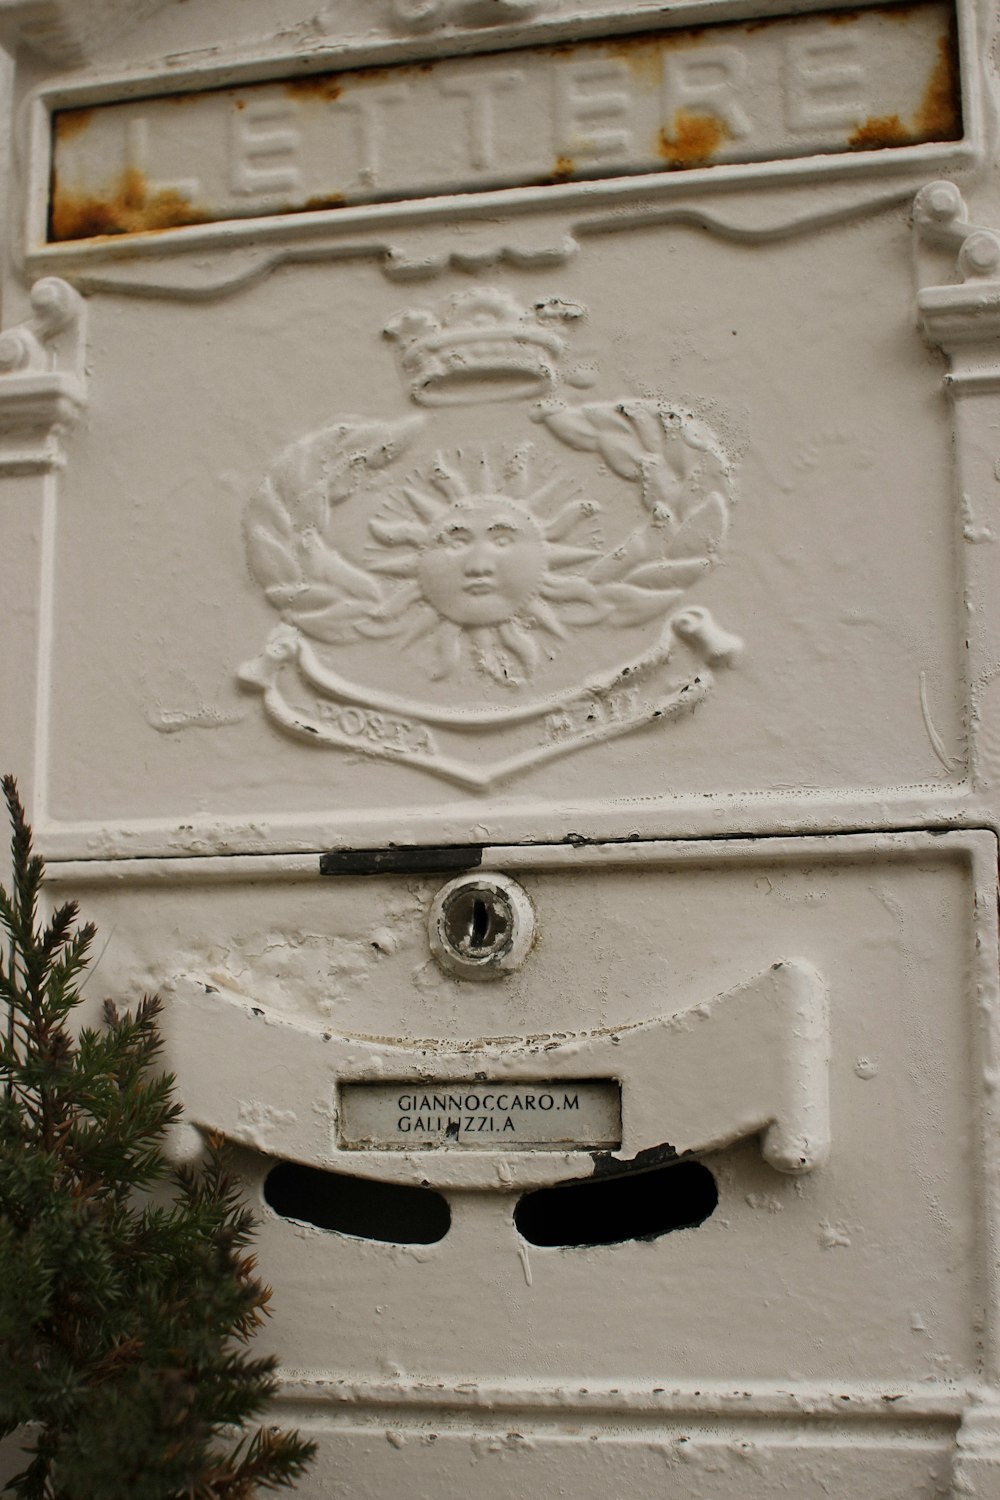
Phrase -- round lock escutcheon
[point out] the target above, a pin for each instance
(481, 926)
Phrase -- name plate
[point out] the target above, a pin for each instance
(573, 1116)
(668, 100)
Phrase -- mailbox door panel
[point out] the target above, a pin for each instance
(858, 1290)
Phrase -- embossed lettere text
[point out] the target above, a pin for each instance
(665, 100)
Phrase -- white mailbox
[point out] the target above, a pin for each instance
(500, 532)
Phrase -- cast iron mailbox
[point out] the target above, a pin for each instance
(513, 607)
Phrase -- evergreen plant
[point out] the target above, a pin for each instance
(127, 1289)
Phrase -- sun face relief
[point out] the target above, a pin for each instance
(484, 563)
(481, 570)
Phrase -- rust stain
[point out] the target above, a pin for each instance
(878, 133)
(563, 169)
(643, 53)
(695, 139)
(67, 123)
(127, 209)
(901, 12)
(323, 86)
(328, 87)
(321, 201)
(845, 17)
(939, 116)
(189, 96)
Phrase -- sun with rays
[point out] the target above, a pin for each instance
(491, 563)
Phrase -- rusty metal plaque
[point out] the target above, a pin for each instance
(663, 101)
(561, 1116)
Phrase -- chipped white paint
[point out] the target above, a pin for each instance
(424, 15)
(605, 570)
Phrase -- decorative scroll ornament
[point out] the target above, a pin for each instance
(959, 316)
(489, 608)
(941, 218)
(42, 379)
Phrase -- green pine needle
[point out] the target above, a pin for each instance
(123, 1320)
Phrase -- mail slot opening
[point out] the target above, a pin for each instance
(637, 1205)
(387, 1211)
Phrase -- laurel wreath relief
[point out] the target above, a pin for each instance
(306, 579)
(674, 459)
(684, 483)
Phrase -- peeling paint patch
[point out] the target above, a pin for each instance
(172, 721)
(260, 1122)
(834, 1237)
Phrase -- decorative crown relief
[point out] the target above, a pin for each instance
(482, 342)
(489, 606)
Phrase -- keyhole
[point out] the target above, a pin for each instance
(477, 922)
(480, 923)
(481, 926)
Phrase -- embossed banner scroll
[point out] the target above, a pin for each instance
(792, 86)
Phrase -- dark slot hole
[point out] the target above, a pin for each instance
(613, 1210)
(480, 923)
(385, 1211)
